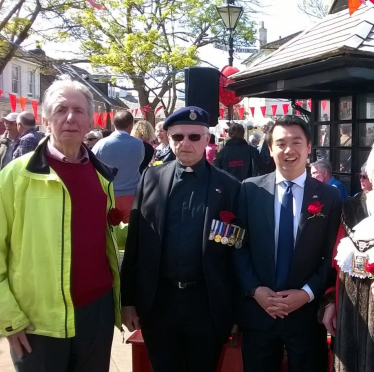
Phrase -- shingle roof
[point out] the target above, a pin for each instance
(334, 35)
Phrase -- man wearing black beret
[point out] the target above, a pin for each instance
(176, 277)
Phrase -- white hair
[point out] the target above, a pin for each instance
(96, 134)
(370, 165)
(64, 82)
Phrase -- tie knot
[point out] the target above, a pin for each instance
(288, 184)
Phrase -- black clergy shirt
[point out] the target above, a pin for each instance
(184, 224)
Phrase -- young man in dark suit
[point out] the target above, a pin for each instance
(283, 267)
(177, 283)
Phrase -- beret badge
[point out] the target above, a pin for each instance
(193, 115)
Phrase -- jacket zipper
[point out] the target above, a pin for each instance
(62, 261)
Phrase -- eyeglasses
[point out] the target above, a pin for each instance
(363, 177)
(193, 137)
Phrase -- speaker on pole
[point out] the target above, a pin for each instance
(202, 90)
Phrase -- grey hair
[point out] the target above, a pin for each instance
(96, 134)
(364, 168)
(370, 165)
(323, 165)
(64, 82)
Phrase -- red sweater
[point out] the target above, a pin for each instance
(90, 271)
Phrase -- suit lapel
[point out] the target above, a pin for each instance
(165, 182)
(311, 193)
(268, 184)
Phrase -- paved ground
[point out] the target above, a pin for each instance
(120, 360)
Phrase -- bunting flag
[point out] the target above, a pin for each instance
(324, 105)
(263, 110)
(34, 105)
(353, 5)
(100, 120)
(158, 109)
(13, 102)
(274, 109)
(142, 110)
(222, 113)
(285, 107)
(1, 92)
(310, 102)
(136, 112)
(95, 115)
(252, 111)
(22, 102)
(105, 118)
(96, 5)
(111, 114)
(241, 112)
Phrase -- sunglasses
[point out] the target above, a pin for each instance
(363, 177)
(91, 139)
(194, 137)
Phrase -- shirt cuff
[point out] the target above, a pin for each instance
(307, 289)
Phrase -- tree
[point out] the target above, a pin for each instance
(151, 41)
(315, 8)
(20, 16)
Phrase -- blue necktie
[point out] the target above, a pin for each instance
(285, 239)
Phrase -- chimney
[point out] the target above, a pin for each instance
(263, 34)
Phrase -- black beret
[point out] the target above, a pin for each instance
(190, 115)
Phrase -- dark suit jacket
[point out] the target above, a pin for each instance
(140, 271)
(266, 164)
(255, 262)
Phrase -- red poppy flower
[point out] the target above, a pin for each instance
(315, 207)
(369, 267)
(226, 216)
(115, 216)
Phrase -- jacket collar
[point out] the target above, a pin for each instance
(38, 162)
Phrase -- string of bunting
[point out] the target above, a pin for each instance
(353, 5)
(22, 103)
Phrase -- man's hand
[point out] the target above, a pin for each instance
(263, 296)
(18, 340)
(130, 318)
(329, 319)
(293, 298)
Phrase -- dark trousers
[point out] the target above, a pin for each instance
(88, 351)
(180, 334)
(263, 350)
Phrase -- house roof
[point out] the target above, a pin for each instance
(336, 34)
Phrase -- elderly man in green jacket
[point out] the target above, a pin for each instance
(59, 280)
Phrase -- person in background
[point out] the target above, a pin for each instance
(8, 143)
(365, 182)
(237, 157)
(210, 150)
(59, 281)
(163, 151)
(91, 138)
(126, 153)
(144, 131)
(106, 132)
(254, 139)
(267, 162)
(322, 171)
(176, 283)
(28, 137)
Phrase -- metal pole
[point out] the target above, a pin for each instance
(231, 59)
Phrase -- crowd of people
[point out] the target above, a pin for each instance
(217, 236)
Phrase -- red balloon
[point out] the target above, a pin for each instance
(227, 97)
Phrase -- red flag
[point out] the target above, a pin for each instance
(324, 105)
(263, 110)
(100, 120)
(22, 102)
(95, 5)
(353, 5)
(1, 92)
(13, 102)
(274, 109)
(158, 109)
(142, 109)
(136, 112)
(310, 101)
(96, 115)
(285, 108)
(105, 118)
(252, 111)
(222, 113)
(111, 114)
(34, 105)
(241, 112)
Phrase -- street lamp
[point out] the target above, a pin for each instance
(230, 15)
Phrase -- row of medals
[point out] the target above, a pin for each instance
(222, 232)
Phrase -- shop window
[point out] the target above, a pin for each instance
(323, 135)
(344, 135)
(366, 106)
(324, 110)
(342, 161)
(321, 154)
(366, 134)
(345, 108)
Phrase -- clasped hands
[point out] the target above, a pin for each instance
(280, 304)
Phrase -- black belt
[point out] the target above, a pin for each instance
(182, 285)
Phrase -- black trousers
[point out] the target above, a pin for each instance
(180, 334)
(88, 351)
(263, 350)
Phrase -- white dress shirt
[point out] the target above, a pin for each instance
(298, 196)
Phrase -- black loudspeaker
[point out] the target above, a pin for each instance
(201, 89)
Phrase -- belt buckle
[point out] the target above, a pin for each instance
(182, 285)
